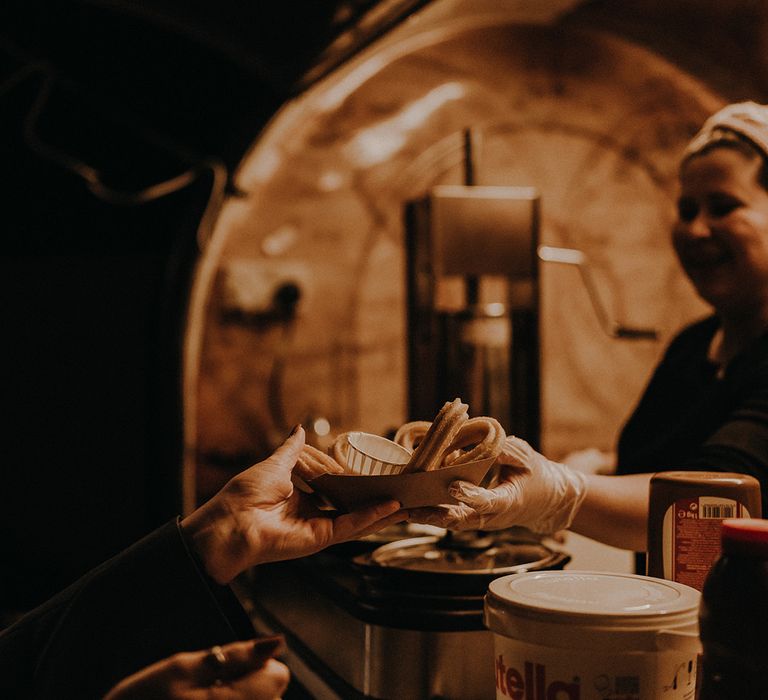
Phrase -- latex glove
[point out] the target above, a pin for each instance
(532, 492)
(237, 671)
(259, 517)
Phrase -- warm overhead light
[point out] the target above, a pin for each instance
(330, 181)
(378, 143)
(321, 427)
(280, 240)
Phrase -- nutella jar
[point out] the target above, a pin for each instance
(685, 513)
(590, 635)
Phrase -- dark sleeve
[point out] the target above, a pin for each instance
(690, 418)
(740, 443)
(149, 602)
(680, 407)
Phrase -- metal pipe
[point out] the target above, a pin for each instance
(576, 258)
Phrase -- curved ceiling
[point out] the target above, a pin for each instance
(202, 77)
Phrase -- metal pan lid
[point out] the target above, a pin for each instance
(434, 555)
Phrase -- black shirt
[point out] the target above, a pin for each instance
(149, 602)
(690, 418)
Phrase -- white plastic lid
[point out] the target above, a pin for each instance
(562, 608)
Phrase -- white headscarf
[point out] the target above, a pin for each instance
(747, 119)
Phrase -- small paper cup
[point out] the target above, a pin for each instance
(371, 455)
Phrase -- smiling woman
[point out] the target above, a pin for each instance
(721, 237)
(706, 406)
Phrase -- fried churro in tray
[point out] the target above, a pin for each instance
(429, 453)
(452, 446)
(452, 438)
(313, 462)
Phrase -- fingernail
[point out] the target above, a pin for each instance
(294, 430)
(266, 647)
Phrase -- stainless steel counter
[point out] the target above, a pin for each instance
(341, 645)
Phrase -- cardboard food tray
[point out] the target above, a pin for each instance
(415, 490)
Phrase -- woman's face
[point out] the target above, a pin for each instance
(721, 233)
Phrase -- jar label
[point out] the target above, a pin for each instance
(527, 671)
(691, 536)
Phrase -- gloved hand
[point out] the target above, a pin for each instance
(533, 492)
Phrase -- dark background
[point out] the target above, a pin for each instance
(99, 102)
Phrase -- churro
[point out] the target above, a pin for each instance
(339, 448)
(409, 435)
(451, 439)
(483, 435)
(313, 462)
(429, 453)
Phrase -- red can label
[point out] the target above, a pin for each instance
(691, 535)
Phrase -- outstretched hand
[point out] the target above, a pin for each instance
(259, 517)
(237, 671)
(532, 491)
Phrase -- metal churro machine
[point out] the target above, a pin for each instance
(473, 302)
(473, 294)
